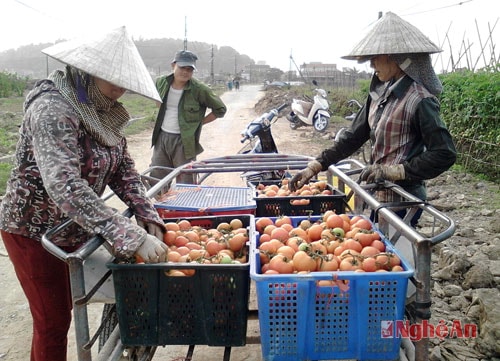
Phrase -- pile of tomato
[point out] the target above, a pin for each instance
(223, 244)
(335, 242)
(313, 188)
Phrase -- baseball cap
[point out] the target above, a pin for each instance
(185, 58)
(112, 56)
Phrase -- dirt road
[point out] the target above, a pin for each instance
(218, 138)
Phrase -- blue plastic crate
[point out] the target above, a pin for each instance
(188, 200)
(300, 320)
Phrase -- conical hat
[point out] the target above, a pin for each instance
(392, 35)
(112, 57)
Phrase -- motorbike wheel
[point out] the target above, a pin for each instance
(321, 123)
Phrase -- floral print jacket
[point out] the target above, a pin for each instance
(61, 172)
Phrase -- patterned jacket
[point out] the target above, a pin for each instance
(60, 172)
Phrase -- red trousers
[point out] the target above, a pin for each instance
(45, 282)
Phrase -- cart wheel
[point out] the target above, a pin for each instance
(109, 320)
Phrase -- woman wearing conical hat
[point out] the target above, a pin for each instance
(410, 143)
(71, 147)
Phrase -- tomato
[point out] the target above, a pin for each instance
(169, 237)
(294, 242)
(237, 241)
(397, 269)
(303, 262)
(334, 221)
(283, 220)
(350, 263)
(175, 273)
(318, 248)
(286, 251)
(184, 225)
(171, 226)
(355, 219)
(269, 229)
(263, 238)
(236, 223)
(281, 264)
(197, 254)
(314, 232)
(365, 237)
(363, 223)
(369, 264)
(394, 260)
(338, 232)
(298, 232)
(352, 244)
(262, 223)
(378, 244)
(305, 224)
(280, 234)
(194, 245)
(383, 261)
(213, 247)
(369, 251)
(327, 214)
(180, 241)
(327, 263)
(173, 256)
(268, 247)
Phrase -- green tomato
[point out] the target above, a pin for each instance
(226, 259)
(339, 232)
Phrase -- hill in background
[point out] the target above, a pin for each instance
(214, 62)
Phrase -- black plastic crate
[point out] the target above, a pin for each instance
(208, 308)
(316, 204)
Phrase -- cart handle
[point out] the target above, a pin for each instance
(384, 209)
(87, 248)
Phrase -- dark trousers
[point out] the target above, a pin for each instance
(45, 282)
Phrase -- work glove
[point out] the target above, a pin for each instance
(151, 228)
(303, 177)
(152, 250)
(379, 172)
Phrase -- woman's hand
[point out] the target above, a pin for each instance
(152, 250)
(151, 228)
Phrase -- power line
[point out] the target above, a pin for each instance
(440, 8)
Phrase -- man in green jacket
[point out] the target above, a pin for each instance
(176, 136)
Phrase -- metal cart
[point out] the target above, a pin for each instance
(344, 175)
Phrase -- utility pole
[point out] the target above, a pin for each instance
(185, 34)
(212, 66)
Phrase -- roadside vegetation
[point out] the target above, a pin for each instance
(470, 107)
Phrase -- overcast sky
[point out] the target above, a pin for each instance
(267, 30)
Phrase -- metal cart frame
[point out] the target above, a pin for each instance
(345, 173)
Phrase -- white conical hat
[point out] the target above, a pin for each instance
(112, 57)
(392, 35)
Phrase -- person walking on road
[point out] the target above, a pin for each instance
(176, 135)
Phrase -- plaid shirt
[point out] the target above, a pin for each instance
(404, 127)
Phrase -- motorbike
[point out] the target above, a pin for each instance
(258, 138)
(307, 113)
